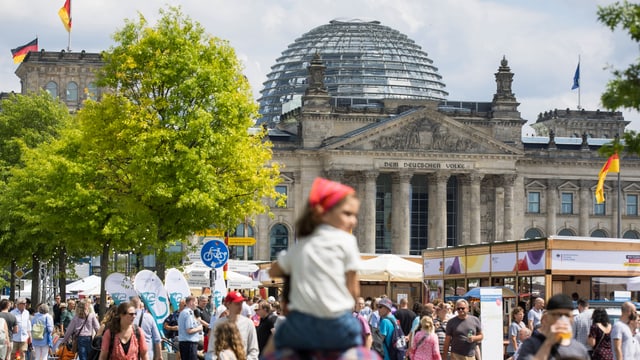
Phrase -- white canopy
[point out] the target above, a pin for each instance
(633, 283)
(235, 280)
(390, 267)
(87, 286)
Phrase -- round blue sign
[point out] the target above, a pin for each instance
(214, 253)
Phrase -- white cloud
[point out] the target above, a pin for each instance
(465, 38)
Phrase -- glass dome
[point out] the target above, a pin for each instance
(365, 62)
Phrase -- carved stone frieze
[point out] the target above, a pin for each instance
(425, 134)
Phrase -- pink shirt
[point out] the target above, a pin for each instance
(427, 349)
(117, 352)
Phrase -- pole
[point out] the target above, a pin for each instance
(579, 83)
(619, 206)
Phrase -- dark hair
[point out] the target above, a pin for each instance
(4, 304)
(600, 316)
(123, 309)
(583, 302)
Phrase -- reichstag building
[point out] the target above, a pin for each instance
(361, 103)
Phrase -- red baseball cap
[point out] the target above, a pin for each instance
(233, 297)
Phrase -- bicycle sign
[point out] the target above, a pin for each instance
(214, 253)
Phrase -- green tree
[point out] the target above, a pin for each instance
(183, 151)
(26, 122)
(624, 90)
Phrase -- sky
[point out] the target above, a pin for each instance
(542, 40)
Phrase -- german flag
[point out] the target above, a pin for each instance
(65, 15)
(21, 51)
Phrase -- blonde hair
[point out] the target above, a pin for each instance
(227, 336)
(426, 323)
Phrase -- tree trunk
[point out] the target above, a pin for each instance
(12, 285)
(62, 274)
(35, 281)
(104, 272)
(161, 263)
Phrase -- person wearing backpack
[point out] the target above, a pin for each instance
(41, 330)
(395, 345)
(127, 341)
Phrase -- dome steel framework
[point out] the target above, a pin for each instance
(365, 62)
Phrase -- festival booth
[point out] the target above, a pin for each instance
(89, 285)
(595, 268)
(392, 275)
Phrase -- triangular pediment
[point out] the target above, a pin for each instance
(422, 130)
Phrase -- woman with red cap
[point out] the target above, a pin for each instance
(322, 269)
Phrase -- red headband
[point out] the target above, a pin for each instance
(327, 193)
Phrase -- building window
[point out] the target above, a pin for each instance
(419, 214)
(533, 202)
(567, 203)
(278, 240)
(599, 209)
(282, 189)
(533, 233)
(238, 251)
(52, 89)
(599, 233)
(631, 234)
(72, 92)
(92, 91)
(632, 205)
(566, 232)
(452, 211)
(383, 214)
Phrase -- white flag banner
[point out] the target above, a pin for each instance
(177, 287)
(154, 295)
(119, 287)
(220, 288)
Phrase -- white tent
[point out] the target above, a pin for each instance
(197, 273)
(389, 268)
(87, 286)
(633, 283)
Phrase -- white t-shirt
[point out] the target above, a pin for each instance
(318, 264)
(622, 331)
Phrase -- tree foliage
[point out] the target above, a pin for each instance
(187, 154)
(623, 91)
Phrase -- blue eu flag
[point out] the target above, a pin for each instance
(576, 78)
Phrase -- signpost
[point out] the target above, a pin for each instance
(214, 254)
(242, 241)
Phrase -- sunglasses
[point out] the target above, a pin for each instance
(461, 308)
(131, 314)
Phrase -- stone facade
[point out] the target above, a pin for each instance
(429, 173)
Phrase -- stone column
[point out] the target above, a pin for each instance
(465, 207)
(400, 216)
(498, 216)
(585, 207)
(474, 205)
(552, 206)
(509, 206)
(368, 208)
(438, 209)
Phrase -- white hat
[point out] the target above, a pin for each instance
(220, 310)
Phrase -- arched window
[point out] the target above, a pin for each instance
(52, 89)
(566, 232)
(533, 233)
(72, 92)
(631, 234)
(92, 91)
(599, 233)
(278, 240)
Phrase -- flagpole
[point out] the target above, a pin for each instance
(580, 83)
(619, 207)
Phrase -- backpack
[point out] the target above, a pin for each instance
(378, 341)
(398, 348)
(37, 329)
